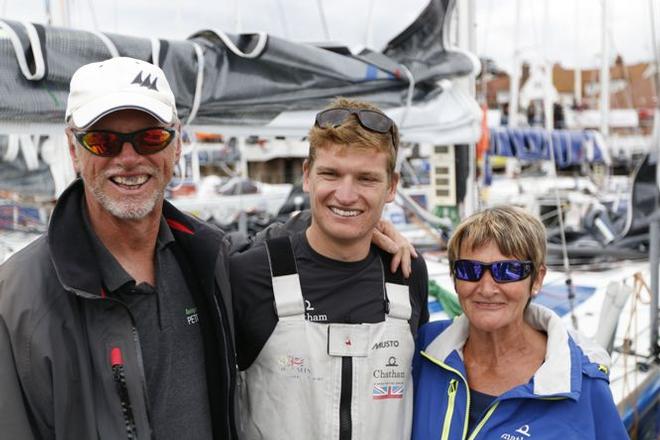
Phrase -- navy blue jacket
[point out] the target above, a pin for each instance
(567, 398)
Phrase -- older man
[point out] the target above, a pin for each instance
(115, 324)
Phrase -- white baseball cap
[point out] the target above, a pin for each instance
(98, 89)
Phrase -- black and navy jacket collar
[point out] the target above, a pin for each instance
(74, 257)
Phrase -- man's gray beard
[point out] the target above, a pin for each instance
(127, 210)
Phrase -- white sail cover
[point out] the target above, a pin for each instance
(252, 83)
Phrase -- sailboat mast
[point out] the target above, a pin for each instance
(577, 77)
(548, 96)
(654, 227)
(466, 40)
(604, 74)
(514, 86)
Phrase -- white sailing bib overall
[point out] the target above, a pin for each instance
(328, 381)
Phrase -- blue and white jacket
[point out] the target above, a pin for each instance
(567, 398)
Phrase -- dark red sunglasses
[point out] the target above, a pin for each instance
(107, 143)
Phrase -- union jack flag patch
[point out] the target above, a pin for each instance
(387, 391)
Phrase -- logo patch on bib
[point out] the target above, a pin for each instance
(382, 391)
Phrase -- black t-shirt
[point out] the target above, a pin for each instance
(334, 291)
(480, 402)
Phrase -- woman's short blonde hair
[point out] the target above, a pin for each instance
(516, 233)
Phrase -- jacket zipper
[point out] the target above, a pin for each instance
(451, 393)
(345, 419)
(467, 388)
(231, 373)
(117, 365)
(483, 421)
(136, 342)
(143, 380)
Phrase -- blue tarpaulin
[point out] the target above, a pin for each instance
(571, 147)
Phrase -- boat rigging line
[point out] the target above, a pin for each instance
(654, 227)
(562, 233)
(324, 21)
(562, 230)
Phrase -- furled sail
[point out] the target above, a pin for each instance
(253, 83)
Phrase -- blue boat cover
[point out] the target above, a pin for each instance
(570, 147)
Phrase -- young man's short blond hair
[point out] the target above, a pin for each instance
(516, 233)
(352, 134)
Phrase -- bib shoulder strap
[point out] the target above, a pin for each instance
(397, 293)
(284, 274)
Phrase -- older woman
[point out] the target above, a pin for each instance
(506, 369)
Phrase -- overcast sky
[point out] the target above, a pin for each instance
(568, 31)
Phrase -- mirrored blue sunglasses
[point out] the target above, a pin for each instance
(505, 271)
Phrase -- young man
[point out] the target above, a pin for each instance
(324, 330)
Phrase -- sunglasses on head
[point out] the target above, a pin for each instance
(369, 119)
(505, 271)
(108, 143)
